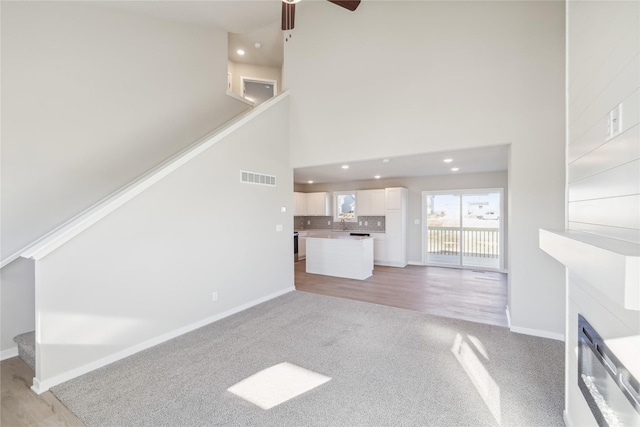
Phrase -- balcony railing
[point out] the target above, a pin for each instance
(476, 242)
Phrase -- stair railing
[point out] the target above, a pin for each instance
(76, 225)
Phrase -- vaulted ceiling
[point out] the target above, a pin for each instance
(247, 22)
(258, 21)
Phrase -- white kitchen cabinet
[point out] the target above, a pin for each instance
(379, 205)
(364, 201)
(370, 202)
(318, 204)
(396, 226)
(302, 244)
(379, 248)
(311, 204)
(299, 204)
(396, 198)
(350, 257)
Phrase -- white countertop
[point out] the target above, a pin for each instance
(331, 235)
(327, 231)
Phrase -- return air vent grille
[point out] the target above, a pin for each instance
(257, 178)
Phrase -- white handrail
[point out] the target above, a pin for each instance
(76, 225)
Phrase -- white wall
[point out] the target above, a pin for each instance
(149, 269)
(17, 296)
(239, 70)
(416, 185)
(604, 65)
(92, 98)
(603, 176)
(399, 78)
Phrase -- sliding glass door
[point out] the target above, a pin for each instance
(463, 228)
(443, 229)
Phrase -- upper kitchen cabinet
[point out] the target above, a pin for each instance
(312, 204)
(371, 203)
(396, 198)
(318, 204)
(299, 204)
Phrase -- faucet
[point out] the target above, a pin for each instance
(344, 224)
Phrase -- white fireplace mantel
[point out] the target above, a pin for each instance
(611, 265)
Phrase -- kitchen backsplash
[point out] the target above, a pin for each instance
(327, 223)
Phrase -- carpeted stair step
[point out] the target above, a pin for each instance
(27, 348)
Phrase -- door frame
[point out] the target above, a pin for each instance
(423, 230)
(244, 79)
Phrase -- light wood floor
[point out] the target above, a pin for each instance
(22, 407)
(463, 294)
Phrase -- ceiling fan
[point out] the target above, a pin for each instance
(289, 10)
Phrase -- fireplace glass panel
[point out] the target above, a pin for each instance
(609, 389)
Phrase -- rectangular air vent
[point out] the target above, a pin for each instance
(257, 178)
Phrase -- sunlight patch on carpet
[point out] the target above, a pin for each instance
(479, 375)
(277, 384)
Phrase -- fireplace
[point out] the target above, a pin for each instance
(611, 391)
(603, 353)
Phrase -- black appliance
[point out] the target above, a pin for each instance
(295, 246)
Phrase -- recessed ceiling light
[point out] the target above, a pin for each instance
(377, 177)
(309, 182)
(455, 169)
(240, 52)
(258, 45)
(448, 160)
(345, 166)
(385, 160)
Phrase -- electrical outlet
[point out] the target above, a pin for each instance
(328, 222)
(614, 122)
(308, 222)
(366, 223)
(379, 223)
(215, 296)
(360, 223)
(616, 119)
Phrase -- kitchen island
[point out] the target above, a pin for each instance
(335, 255)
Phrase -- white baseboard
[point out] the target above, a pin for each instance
(537, 333)
(36, 386)
(567, 419)
(415, 263)
(9, 353)
(508, 317)
(41, 386)
(391, 264)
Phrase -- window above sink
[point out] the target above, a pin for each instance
(345, 206)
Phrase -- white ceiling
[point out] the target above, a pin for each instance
(235, 16)
(247, 22)
(271, 52)
(251, 21)
(488, 159)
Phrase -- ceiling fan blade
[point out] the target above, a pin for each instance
(288, 16)
(347, 4)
